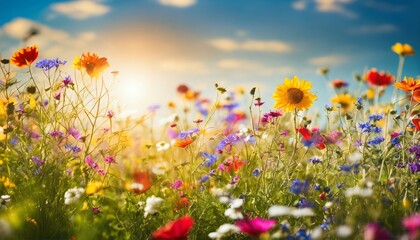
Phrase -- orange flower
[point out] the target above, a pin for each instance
(416, 95)
(144, 179)
(93, 64)
(25, 56)
(378, 78)
(183, 202)
(403, 49)
(408, 85)
(183, 142)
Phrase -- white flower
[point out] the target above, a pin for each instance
(277, 211)
(218, 192)
(344, 231)
(224, 230)
(355, 157)
(328, 205)
(151, 204)
(162, 146)
(72, 195)
(136, 186)
(223, 199)
(159, 168)
(233, 213)
(236, 203)
(358, 191)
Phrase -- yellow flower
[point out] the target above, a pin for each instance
(345, 100)
(93, 187)
(370, 93)
(406, 203)
(403, 49)
(77, 63)
(294, 94)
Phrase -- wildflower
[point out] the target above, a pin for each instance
(315, 160)
(234, 212)
(74, 148)
(338, 84)
(231, 163)
(256, 226)
(183, 142)
(358, 191)
(144, 179)
(256, 172)
(90, 162)
(175, 230)
(4, 202)
(376, 117)
(228, 142)
(294, 94)
(376, 78)
(177, 184)
(204, 178)
(47, 64)
(367, 127)
(376, 140)
(412, 224)
(312, 138)
(323, 71)
(258, 102)
(160, 168)
(278, 211)
(223, 231)
(72, 195)
(93, 187)
(25, 56)
(403, 49)
(56, 133)
(271, 116)
(416, 123)
(93, 64)
(346, 101)
(408, 84)
(235, 179)
(414, 167)
(374, 231)
(76, 134)
(67, 81)
(109, 159)
(162, 146)
(300, 186)
(210, 159)
(38, 161)
(152, 203)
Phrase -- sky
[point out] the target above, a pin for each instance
(158, 44)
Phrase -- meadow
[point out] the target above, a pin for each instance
(215, 168)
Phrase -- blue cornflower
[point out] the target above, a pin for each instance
(228, 141)
(368, 128)
(376, 141)
(75, 149)
(47, 64)
(300, 186)
(210, 159)
(315, 160)
(360, 101)
(415, 150)
(256, 172)
(375, 117)
(187, 133)
(301, 234)
(303, 203)
(396, 142)
(230, 106)
(204, 178)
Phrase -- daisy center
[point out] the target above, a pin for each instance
(294, 95)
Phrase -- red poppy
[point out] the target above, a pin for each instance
(416, 122)
(378, 78)
(175, 230)
(25, 56)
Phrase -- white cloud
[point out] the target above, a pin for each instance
(251, 67)
(375, 29)
(80, 9)
(52, 42)
(226, 44)
(337, 6)
(329, 60)
(184, 66)
(299, 5)
(178, 3)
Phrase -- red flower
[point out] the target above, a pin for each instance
(175, 230)
(255, 227)
(338, 83)
(312, 138)
(144, 179)
(183, 142)
(25, 56)
(378, 78)
(416, 122)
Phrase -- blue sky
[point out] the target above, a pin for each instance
(158, 44)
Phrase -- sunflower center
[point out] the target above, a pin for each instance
(294, 95)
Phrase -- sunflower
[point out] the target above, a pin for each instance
(25, 56)
(403, 49)
(294, 94)
(93, 64)
(408, 85)
(345, 100)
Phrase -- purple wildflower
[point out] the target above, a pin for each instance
(300, 186)
(109, 159)
(414, 167)
(270, 116)
(376, 140)
(38, 161)
(56, 133)
(47, 64)
(177, 184)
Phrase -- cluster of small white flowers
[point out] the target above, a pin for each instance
(277, 211)
(234, 212)
(223, 231)
(162, 146)
(72, 195)
(221, 193)
(152, 203)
